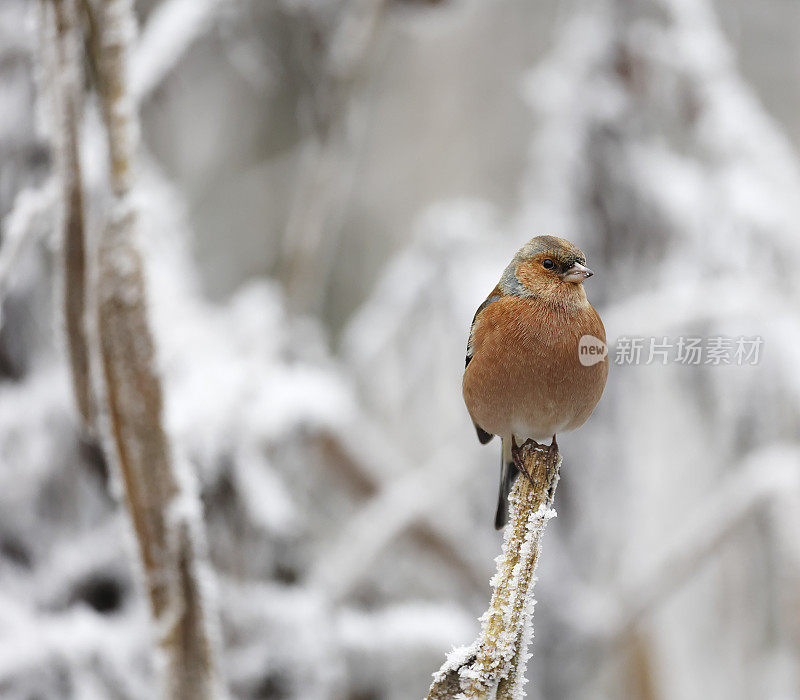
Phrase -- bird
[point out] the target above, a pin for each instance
(523, 377)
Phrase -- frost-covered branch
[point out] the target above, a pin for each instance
(160, 496)
(66, 83)
(172, 29)
(493, 666)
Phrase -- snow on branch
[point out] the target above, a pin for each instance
(493, 666)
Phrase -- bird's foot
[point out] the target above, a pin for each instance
(531, 445)
(516, 454)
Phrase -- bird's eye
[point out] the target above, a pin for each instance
(548, 264)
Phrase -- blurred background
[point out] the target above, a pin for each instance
(329, 189)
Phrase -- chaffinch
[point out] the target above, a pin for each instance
(524, 378)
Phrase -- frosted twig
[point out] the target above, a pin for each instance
(171, 30)
(67, 85)
(493, 666)
(163, 506)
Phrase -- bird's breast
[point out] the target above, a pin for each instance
(525, 376)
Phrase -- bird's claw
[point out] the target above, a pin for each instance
(530, 443)
(518, 461)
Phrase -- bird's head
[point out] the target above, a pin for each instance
(546, 265)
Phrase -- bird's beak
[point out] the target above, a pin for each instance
(577, 273)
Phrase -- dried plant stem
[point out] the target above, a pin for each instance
(494, 665)
(67, 87)
(164, 509)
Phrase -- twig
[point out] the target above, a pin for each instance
(160, 496)
(67, 88)
(494, 665)
(171, 30)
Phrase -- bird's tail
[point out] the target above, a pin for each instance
(508, 472)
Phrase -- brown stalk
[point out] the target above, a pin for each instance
(164, 510)
(67, 87)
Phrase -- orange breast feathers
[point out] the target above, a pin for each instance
(524, 376)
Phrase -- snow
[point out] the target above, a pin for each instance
(31, 215)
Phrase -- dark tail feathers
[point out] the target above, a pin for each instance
(508, 472)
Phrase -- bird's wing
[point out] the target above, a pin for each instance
(495, 294)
